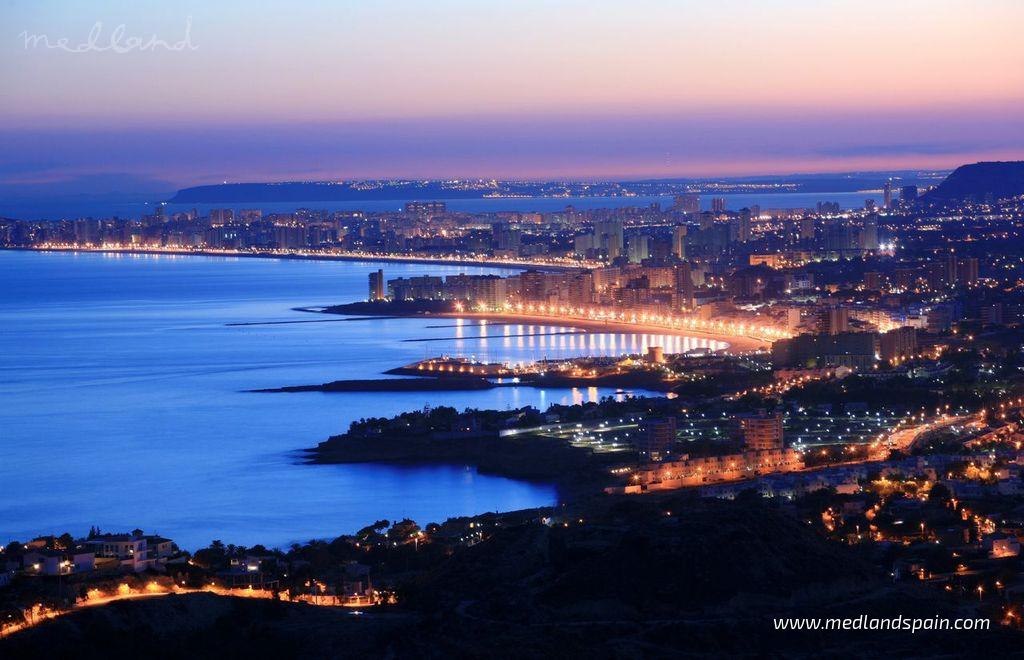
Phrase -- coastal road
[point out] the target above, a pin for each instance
(908, 439)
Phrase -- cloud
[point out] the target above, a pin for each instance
(114, 184)
(582, 145)
(908, 149)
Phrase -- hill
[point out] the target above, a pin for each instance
(207, 626)
(980, 182)
(619, 577)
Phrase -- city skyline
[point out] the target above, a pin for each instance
(575, 327)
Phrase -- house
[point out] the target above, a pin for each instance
(136, 552)
(252, 563)
(357, 588)
(709, 469)
(909, 568)
(46, 561)
(1004, 547)
(159, 546)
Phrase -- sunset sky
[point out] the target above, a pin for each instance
(285, 90)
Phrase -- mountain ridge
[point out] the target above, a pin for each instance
(980, 182)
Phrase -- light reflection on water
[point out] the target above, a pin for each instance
(123, 403)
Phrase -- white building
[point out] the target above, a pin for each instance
(137, 552)
(43, 561)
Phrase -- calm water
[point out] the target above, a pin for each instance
(734, 202)
(122, 399)
(41, 209)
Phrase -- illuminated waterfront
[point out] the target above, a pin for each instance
(123, 402)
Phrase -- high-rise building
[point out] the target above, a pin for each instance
(991, 314)
(908, 195)
(743, 228)
(506, 239)
(833, 320)
(533, 286)
(869, 234)
(221, 217)
(842, 237)
(898, 343)
(857, 350)
(760, 431)
(942, 272)
(426, 208)
(420, 287)
(684, 285)
(807, 228)
(687, 203)
(660, 247)
(793, 318)
(87, 230)
(638, 248)
(679, 241)
(614, 245)
(940, 318)
(487, 291)
(656, 438)
(906, 278)
(717, 204)
(887, 195)
(377, 285)
(581, 288)
(967, 271)
(582, 244)
(608, 235)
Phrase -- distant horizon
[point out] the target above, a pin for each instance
(622, 179)
(270, 158)
(172, 188)
(528, 90)
(43, 203)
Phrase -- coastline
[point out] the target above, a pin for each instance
(574, 472)
(181, 252)
(734, 343)
(624, 383)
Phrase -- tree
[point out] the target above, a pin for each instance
(404, 530)
(376, 529)
(940, 494)
(749, 496)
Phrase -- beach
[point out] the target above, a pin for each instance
(732, 342)
(736, 343)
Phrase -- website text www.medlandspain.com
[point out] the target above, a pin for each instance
(865, 622)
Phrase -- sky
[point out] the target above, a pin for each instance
(276, 90)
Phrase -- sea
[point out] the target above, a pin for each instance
(125, 397)
(133, 206)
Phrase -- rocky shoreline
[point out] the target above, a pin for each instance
(574, 471)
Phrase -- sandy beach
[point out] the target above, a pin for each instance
(737, 343)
